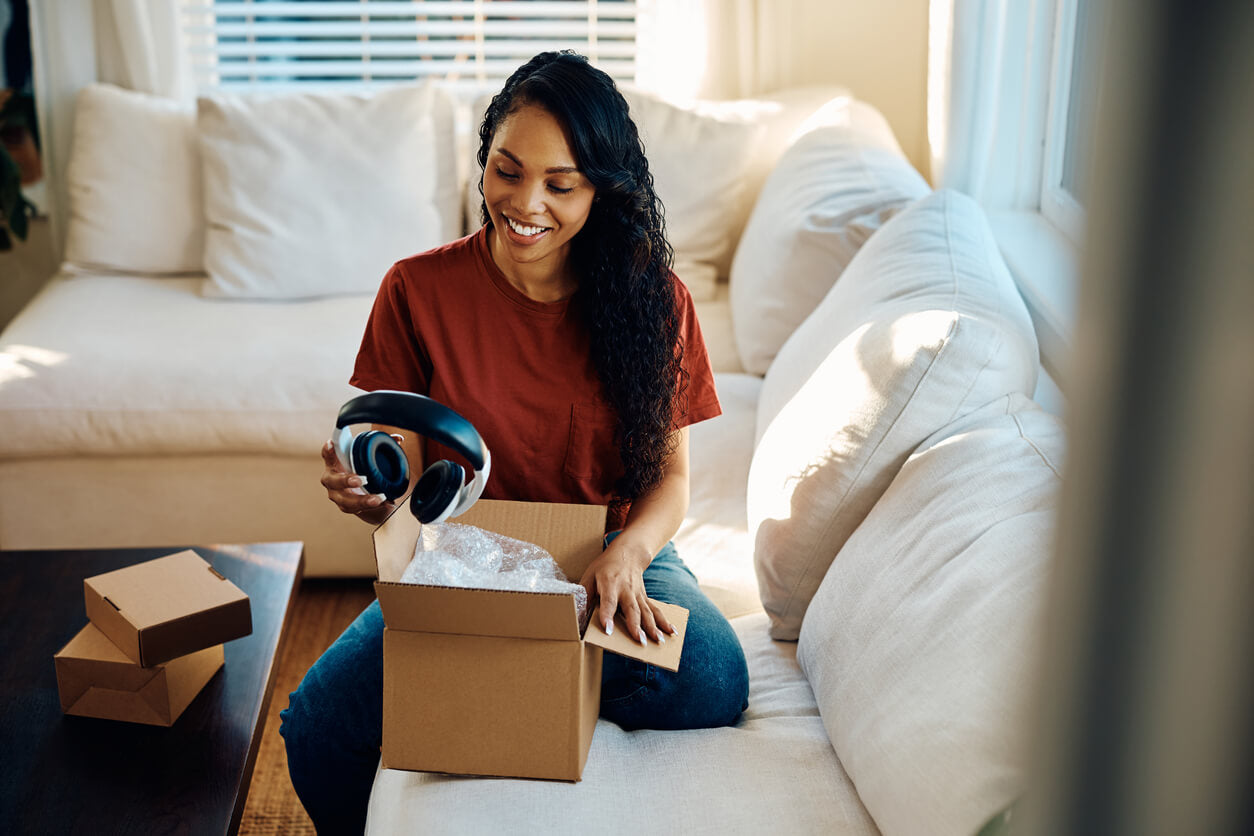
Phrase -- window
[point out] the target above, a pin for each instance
(1072, 108)
(360, 44)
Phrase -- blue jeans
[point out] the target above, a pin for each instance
(333, 724)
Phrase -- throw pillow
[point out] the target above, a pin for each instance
(318, 194)
(828, 193)
(921, 643)
(924, 326)
(134, 184)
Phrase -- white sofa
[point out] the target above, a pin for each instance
(880, 487)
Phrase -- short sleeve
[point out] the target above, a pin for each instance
(698, 400)
(392, 355)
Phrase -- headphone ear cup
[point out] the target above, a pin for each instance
(378, 457)
(436, 490)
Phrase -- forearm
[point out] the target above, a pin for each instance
(655, 517)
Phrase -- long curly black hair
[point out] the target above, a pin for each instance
(626, 292)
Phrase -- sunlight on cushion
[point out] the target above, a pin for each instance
(19, 362)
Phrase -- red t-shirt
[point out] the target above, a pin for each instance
(448, 324)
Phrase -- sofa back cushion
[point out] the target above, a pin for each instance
(317, 194)
(924, 326)
(134, 184)
(921, 642)
(832, 189)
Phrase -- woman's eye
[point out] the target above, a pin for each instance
(560, 190)
(505, 175)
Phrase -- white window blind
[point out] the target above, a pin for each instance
(355, 44)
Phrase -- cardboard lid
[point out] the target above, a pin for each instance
(162, 590)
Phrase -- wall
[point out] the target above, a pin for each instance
(877, 49)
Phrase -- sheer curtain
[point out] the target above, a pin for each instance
(713, 49)
(136, 44)
(988, 88)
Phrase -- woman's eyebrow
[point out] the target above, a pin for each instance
(557, 169)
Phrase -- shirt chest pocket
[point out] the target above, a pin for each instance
(591, 448)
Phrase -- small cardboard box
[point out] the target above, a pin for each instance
(96, 679)
(491, 682)
(168, 607)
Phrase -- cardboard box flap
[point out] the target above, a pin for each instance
(478, 612)
(148, 706)
(664, 656)
(572, 534)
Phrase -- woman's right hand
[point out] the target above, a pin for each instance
(346, 491)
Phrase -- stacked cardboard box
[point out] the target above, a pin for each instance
(153, 641)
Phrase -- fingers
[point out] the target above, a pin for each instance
(663, 623)
(648, 622)
(346, 489)
(605, 613)
(329, 458)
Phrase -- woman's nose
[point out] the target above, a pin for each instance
(529, 198)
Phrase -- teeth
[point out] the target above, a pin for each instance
(524, 230)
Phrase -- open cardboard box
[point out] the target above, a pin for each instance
(492, 682)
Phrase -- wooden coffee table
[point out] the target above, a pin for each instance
(63, 774)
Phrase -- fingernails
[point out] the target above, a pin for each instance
(356, 481)
(609, 627)
(661, 638)
(643, 638)
(375, 499)
(674, 632)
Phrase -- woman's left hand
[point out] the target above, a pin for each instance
(617, 577)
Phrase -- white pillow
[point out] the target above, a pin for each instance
(319, 194)
(828, 193)
(921, 644)
(697, 162)
(924, 326)
(134, 184)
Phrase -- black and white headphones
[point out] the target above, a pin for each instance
(442, 491)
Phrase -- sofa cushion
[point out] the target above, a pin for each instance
(134, 184)
(829, 192)
(713, 539)
(774, 772)
(317, 194)
(125, 365)
(921, 643)
(924, 326)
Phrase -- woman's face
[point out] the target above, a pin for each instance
(537, 198)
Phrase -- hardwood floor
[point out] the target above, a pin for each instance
(323, 609)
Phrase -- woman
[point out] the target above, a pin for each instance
(560, 332)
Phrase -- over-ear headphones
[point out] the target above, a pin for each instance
(441, 492)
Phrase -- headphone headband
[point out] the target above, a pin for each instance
(416, 412)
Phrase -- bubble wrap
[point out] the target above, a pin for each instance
(452, 554)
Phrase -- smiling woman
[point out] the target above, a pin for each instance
(583, 386)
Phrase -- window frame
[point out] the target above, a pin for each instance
(1057, 204)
